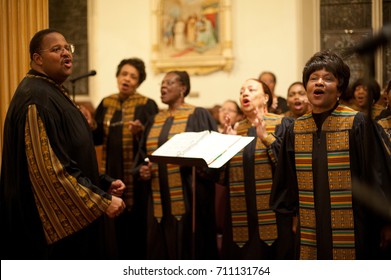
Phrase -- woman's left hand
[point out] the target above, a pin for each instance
(260, 125)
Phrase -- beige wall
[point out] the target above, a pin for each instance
(277, 35)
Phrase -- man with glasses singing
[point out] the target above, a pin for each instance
(52, 196)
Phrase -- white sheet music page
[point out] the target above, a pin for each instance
(230, 151)
(180, 143)
(215, 148)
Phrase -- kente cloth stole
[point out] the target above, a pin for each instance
(181, 116)
(113, 104)
(336, 127)
(267, 228)
(376, 110)
(386, 125)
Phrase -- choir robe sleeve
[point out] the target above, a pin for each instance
(201, 120)
(98, 132)
(273, 140)
(283, 198)
(144, 112)
(67, 200)
(371, 164)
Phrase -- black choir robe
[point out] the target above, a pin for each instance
(370, 164)
(171, 238)
(39, 219)
(126, 237)
(254, 247)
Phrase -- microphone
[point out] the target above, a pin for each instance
(91, 73)
(371, 44)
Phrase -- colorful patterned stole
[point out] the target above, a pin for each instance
(336, 127)
(181, 115)
(113, 104)
(267, 228)
(385, 123)
(376, 110)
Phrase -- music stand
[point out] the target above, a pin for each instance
(192, 149)
(193, 163)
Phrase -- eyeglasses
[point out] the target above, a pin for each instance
(60, 49)
(169, 82)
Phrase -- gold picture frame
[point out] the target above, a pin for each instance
(191, 35)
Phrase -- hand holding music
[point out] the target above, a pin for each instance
(145, 171)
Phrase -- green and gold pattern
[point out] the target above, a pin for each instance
(64, 206)
(181, 115)
(113, 104)
(263, 160)
(337, 128)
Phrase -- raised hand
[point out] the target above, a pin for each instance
(260, 125)
(228, 129)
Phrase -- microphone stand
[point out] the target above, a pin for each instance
(73, 81)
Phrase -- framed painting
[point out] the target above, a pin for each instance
(191, 35)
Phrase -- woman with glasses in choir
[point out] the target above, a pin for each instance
(232, 110)
(170, 209)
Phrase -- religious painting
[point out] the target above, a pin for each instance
(191, 35)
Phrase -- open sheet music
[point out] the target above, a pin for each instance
(213, 147)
